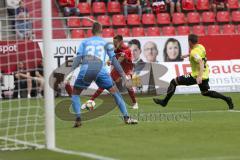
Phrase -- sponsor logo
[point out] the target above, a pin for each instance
(4, 49)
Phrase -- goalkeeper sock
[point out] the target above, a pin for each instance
(132, 95)
(76, 104)
(120, 102)
(97, 93)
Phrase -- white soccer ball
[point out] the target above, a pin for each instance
(90, 105)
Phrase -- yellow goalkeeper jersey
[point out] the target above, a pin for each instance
(198, 52)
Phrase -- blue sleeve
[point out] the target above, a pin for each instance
(110, 50)
(76, 62)
(117, 66)
(80, 51)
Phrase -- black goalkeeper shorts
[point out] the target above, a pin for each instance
(188, 80)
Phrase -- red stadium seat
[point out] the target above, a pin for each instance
(98, 8)
(77, 33)
(114, 7)
(193, 17)
(198, 30)
(238, 29)
(104, 20)
(202, 5)
(228, 29)
(153, 31)
(84, 8)
(213, 30)
(108, 32)
(163, 19)
(118, 20)
(233, 4)
(89, 33)
(133, 20)
(183, 30)
(236, 16)
(188, 5)
(138, 32)
(208, 17)
(148, 19)
(123, 31)
(178, 18)
(223, 17)
(86, 22)
(73, 22)
(168, 31)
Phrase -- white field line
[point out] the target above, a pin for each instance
(212, 158)
(83, 154)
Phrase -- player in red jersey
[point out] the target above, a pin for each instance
(124, 56)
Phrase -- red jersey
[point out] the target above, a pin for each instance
(126, 64)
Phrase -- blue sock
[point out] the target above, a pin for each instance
(76, 104)
(120, 102)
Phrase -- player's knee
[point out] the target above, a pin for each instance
(173, 82)
(112, 90)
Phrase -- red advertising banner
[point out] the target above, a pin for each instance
(221, 47)
(13, 52)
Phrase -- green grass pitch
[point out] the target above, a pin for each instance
(206, 131)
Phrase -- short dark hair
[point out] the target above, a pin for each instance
(96, 28)
(118, 37)
(193, 38)
(136, 42)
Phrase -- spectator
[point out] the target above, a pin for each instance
(150, 51)
(12, 6)
(69, 7)
(37, 75)
(146, 6)
(159, 6)
(23, 79)
(23, 24)
(130, 5)
(172, 51)
(219, 5)
(174, 4)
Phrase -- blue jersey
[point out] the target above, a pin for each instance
(93, 52)
(96, 48)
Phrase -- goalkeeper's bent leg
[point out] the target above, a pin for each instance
(119, 101)
(76, 102)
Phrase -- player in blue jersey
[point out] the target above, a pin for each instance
(92, 55)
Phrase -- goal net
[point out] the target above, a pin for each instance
(27, 31)
(22, 120)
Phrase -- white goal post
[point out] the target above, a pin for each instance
(48, 91)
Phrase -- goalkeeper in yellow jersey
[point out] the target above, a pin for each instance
(199, 75)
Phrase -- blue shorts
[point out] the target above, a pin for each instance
(102, 79)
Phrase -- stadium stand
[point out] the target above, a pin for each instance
(228, 29)
(138, 32)
(198, 30)
(123, 31)
(213, 29)
(153, 31)
(195, 18)
(236, 16)
(168, 31)
(183, 30)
